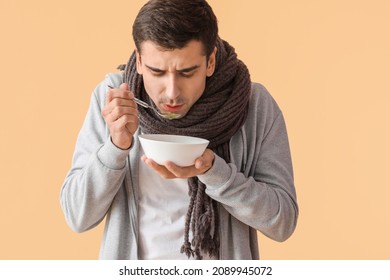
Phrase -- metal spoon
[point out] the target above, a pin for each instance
(169, 116)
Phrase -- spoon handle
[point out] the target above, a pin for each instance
(136, 100)
(142, 103)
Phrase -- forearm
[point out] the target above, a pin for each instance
(268, 208)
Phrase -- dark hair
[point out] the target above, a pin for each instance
(171, 24)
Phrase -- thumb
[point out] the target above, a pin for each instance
(124, 86)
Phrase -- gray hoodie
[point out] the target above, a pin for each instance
(254, 192)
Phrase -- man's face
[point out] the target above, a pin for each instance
(174, 79)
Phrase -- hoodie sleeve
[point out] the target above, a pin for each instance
(98, 167)
(258, 186)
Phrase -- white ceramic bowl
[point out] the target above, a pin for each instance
(181, 150)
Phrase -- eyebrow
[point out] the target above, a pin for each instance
(184, 70)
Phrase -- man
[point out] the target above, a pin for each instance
(242, 183)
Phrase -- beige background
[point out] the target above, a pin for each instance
(327, 63)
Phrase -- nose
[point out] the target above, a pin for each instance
(172, 87)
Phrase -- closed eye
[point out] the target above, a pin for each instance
(157, 73)
(187, 74)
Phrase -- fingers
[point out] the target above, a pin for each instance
(181, 172)
(125, 121)
(160, 169)
(118, 103)
(122, 92)
(205, 162)
(119, 107)
(121, 115)
(170, 170)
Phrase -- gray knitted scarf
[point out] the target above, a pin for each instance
(217, 116)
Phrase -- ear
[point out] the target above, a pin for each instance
(211, 63)
(138, 62)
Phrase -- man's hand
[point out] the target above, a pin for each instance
(121, 116)
(170, 170)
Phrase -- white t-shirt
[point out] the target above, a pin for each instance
(163, 204)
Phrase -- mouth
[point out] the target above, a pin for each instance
(172, 108)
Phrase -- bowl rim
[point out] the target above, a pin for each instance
(148, 137)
